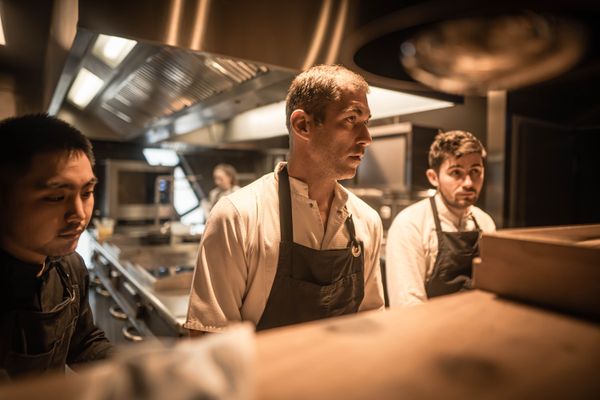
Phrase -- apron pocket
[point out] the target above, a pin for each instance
(19, 364)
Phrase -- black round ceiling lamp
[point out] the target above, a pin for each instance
(469, 48)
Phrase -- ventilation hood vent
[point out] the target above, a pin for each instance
(157, 85)
(167, 83)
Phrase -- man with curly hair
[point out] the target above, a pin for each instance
(431, 244)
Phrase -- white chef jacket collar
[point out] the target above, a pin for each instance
(300, 188)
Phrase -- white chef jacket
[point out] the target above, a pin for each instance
(239, 251)
(412, 247)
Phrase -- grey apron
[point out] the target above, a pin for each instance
(39, 341)
(454, 263)
(312, 284)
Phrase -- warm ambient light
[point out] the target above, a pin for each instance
(112, 49)
(166, 157)
(84, 88)
(387, 103)
(269, 120)
(2, 39)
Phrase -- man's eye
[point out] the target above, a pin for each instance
(53, 199)
(455, 173)
(351, 119)
(87, 194)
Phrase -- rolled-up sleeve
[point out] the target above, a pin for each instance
(221, 271)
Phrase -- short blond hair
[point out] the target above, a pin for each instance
(313, 89)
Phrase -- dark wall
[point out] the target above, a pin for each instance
(553, 138)
(117, 150)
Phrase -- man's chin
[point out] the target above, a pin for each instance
(347, 173)
(465, 203)
(62, 250)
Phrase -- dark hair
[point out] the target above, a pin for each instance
(313, 89)
(229, 171)
(453, 144)
(26, 136)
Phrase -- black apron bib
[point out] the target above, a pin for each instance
(453, 266)
(39, 341)
(312, 284)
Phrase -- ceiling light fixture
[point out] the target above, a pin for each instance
(388, 103)
(167, 157)
(85, 87)
(112, 50)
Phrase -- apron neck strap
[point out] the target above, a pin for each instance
(285, 206)
(436, 218)
(351, 230)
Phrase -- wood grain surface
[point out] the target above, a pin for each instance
(464, 346)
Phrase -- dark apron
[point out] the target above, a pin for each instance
(454, 263)
(312, 284)
(39, 341)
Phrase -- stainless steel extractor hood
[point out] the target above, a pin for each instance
(156, 85)
(198, 63)
(195, 63)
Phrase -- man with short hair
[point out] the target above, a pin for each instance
(295, 245)
(431, 244)
(45, 204)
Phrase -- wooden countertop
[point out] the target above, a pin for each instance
(471, 345)
(466, 346)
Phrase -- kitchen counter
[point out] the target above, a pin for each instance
(146, 280)
(471, 345)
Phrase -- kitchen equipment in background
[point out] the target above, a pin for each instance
(391, 175)
(135, 192)
(104, 228)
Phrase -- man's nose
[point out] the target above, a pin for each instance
(76, 211)
(364, 137)
(467, 182)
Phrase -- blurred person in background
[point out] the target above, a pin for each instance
(225, 178)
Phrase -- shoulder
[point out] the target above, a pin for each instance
(484, 220)
(244, 206)
(246, 200)
(415, 214)
(411, 221)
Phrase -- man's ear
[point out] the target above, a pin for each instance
(433, 177)
(300, 122)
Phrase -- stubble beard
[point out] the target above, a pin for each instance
(462, 205)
